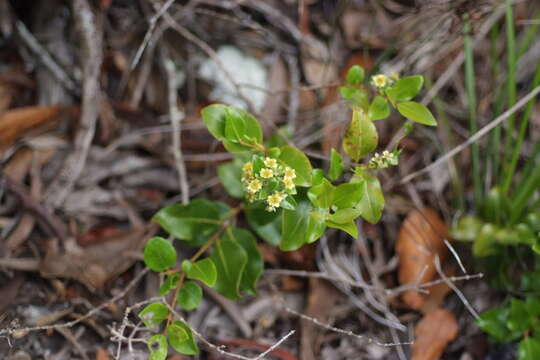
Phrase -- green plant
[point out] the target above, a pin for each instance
(286, 202)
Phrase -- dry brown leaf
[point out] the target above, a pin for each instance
(278, 80)
(433, 333)
(95, 265)
(18, 122)
(420, 241)
(102, 354)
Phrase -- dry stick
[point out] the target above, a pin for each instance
(456, 256)
(92, 55)
(176, 117)
(210, 52)
(456, 290)
(45, 58)
(11, 331)
(486, 129)
(153, 21)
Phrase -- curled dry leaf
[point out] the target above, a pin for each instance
(433, 333)
(18, 122)
(420, 241)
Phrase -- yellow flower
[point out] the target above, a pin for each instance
(254, 186)
(247, 168)
(394, 75)
(266, 173)
(289, 183)
(379, 80)
(274, 200)
(271, 163)
(290, 173)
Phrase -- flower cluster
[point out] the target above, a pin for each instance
(266, 179)
(384, 160)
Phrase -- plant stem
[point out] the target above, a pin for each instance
(471, 97)
(511, 84)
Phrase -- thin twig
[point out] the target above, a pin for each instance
(176, 117)
(486, 129)
(92, 54)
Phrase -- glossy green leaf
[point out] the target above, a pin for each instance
(406, 88)
(181, 338)
(296, 224)
(355, 97)
(214, 119)
(190, 295)
(322, 195)
(317, 176)
(254, 266)
(230, 174)
(494, 322)
(158, 347)
(378, 109)
(350, 227)
(265, 224)
(203, 270)
(417, 112)
(344, 216)
(230, 259)
(154, 314)
(297, 160)
(372, 201)
(194, 221)
(159, 254)
(519, 318)
(355, 75)
(316, 224)
(336, 165)
(242, 131)
(529, 349)
(348, 195)
(169, 284)
(361, 136)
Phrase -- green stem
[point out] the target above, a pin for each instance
(511, 84)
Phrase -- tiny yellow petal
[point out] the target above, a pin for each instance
(379, 80)
(289, 183)
(290, 173)
(271, 163)
(254, 186)
(266, 173)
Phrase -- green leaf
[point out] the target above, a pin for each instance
(154, 314)
(336, 165)
(230, 259)
(372, 201)
(348, 195)
(159, 254)
(265, 224)
(406, 88)
(519, 319)
(169, 284)
(194, 222)
(322, 195)
(361, 136)
(254, 265)
(203, 270)
(214, 119)
(297, 160)
(355, 97)
(378, 109)
(230, 174)
(316, 224)
(350, 227)
(344, 216)
(317, 176)
(494, 322)
(181, 338)
(417, 112)
(355, 75)
(158, 347)
(190, 295)
(241, 127)
(304, 225)
(529, 349)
